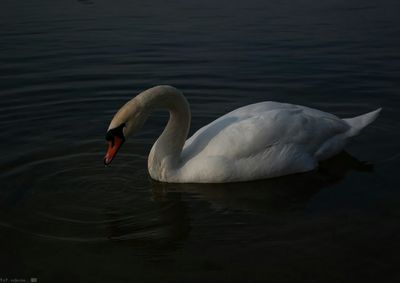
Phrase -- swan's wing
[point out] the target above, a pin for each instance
(254, 129)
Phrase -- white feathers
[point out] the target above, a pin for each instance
(360, 122)
(261, 140)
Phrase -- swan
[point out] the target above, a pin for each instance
(257, 141)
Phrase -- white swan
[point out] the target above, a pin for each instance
(262, 140)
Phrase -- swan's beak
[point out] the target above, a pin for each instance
(113, 147)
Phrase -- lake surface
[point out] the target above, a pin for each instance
(67, 66)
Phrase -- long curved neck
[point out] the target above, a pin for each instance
(166, 151)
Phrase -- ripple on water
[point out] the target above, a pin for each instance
(75, 198)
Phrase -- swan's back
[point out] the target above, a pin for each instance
(249, 130)
(262, 140)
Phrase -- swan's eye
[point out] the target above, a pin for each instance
(118, 131)
(109, 136)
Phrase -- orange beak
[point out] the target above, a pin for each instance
(113, 147)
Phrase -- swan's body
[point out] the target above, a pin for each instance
(262, 140)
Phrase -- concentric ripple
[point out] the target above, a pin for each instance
(75, 198)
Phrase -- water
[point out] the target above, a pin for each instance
(67, 66)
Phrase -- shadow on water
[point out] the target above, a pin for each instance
(170, 222)
(165, 223)
(160, 220)
(165, 230)
(278, 195)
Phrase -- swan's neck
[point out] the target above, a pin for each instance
(164, 158)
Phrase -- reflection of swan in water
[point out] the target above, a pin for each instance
(165, 223)
(164, 227)
(258, 141)
(281, 194)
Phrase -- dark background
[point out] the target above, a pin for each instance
(67, 66)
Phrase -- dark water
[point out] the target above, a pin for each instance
(67, 66)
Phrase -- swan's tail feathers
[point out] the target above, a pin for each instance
(360, 122)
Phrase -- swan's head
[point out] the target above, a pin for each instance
(128, 120)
